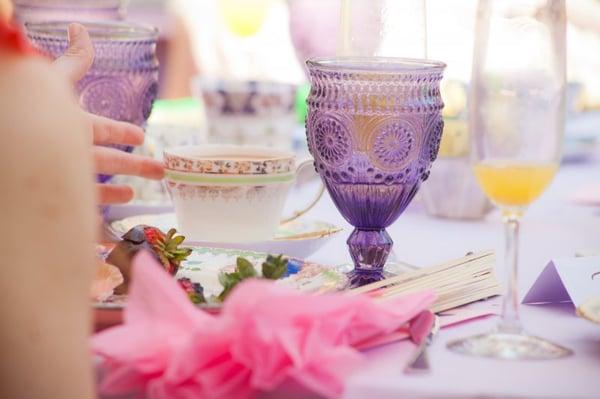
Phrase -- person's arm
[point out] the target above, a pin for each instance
(47, 209)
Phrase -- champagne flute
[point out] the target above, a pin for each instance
(517, 123)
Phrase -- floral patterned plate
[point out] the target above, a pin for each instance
(204, 266)
(299, 238)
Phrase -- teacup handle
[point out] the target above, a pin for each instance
(297, 214)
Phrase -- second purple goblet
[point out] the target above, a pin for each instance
(374, 127)
(122, 83)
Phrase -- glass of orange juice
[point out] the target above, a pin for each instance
(516, 122)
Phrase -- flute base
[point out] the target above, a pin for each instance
(509, 346)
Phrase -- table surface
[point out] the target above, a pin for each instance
(552, 228)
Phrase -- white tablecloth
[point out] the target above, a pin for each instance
(552, 228)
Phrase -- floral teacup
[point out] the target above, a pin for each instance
(228, 193)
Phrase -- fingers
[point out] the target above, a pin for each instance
(110, 161)
(78, 58)
(112, 194)
(108, 131)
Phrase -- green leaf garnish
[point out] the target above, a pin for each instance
(196, 298)
(228, 281)
(245, 268)
(274, 268)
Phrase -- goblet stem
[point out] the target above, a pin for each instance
(369, 250)
(510, 321)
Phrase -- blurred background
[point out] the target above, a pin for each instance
(267, 40)
(232, 70)
(250, 39)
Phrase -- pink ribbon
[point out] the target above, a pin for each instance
(266, 333)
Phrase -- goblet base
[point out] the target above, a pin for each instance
(369, 250)
(509, 346)
(358, 278)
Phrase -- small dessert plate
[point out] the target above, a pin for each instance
(298, 238)
(204, 266)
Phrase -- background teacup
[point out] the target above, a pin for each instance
(248, 112)
(228, 193)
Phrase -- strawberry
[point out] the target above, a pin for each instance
(153, 235)
(164, 247)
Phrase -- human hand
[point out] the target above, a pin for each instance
(74, 64)
(110, 161)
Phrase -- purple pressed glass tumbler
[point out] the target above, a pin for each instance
(374, 127)
(123, 80)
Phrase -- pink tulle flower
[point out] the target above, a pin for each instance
(265, 334)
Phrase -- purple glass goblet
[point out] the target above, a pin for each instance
(61, 10)
(123, 80)
(374, 127)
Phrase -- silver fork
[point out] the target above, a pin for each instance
(419, 362)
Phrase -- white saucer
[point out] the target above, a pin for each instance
(299, 238)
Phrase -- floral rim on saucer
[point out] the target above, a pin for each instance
(292, 231)
(205, 264)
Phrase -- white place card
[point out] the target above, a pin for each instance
(567, 280)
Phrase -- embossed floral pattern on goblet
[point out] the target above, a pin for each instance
(123, 80)
(374, 127)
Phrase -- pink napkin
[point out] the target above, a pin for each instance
(167, 348)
